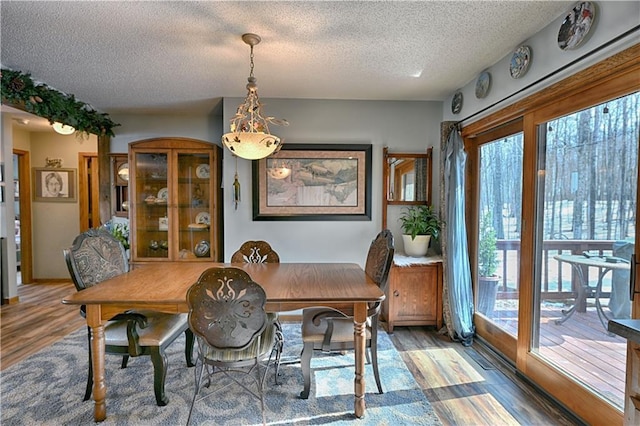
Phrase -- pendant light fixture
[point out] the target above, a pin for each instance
(63, 129)
(249, 137)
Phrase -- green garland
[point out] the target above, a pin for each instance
(39, 99)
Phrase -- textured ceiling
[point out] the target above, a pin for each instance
(122, 56)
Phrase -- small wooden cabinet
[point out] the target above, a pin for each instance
(175, 200)
(414, 294)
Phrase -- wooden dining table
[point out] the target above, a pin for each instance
(162, 286)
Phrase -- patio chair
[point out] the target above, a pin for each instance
(96, 256)
(329, 330)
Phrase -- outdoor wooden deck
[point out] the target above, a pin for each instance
(581, 346)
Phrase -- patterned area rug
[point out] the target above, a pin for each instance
(47, 389)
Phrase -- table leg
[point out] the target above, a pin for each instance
(604, 320)
(581, 297)
(94, 320)
(359, 341)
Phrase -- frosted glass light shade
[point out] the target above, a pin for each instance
(251, 145)
(63, 129)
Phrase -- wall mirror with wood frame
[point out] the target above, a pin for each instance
(407, 178)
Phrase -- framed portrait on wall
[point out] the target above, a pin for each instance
(54, 185)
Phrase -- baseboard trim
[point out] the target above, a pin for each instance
(10, 301)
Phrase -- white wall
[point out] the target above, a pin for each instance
(143, 126)
(55, 225)
(613, 18)
(8, 261)
(401, 126)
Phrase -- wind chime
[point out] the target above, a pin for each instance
(236, 188)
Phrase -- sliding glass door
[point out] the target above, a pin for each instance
(585, 233)
(558, 237)
(499, 227)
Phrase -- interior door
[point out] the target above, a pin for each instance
(88, 191)
(24, 205)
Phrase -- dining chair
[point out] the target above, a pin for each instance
(96, 256)
(234, 332)
(329, 330)
(255, 252)
(258, 251)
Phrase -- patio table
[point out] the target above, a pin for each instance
(580, 264)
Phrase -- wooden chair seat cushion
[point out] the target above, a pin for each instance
(342, 328)
(161, 330)
(258, 348)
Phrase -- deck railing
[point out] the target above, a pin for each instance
(554, 281)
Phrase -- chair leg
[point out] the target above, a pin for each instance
(88, 390)
(278, 347)
(188, 347)
(198, 377)
(305, 365)
(125, 361)
(374, 354)
(159, 360)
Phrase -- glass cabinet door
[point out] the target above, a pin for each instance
(193, 204)
(152, 205)
(175, 191)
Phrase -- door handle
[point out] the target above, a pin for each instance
(632, 279)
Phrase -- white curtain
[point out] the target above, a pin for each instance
(458, 289)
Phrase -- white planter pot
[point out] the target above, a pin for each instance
(417, 247)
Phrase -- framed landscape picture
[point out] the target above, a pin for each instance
(54, 185)
(314, 182)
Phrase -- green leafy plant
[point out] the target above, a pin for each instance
(120, 231)
(19, 89)
(487, 250)
(420, 220)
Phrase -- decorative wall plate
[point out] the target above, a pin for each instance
(483, 84)
(202, 171)
(163, 194)
(520, 61)
(456, 103)
(576, 25)
(202, 249)
(203, 217)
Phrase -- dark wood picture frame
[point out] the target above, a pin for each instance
(333, 180)
(66, 178)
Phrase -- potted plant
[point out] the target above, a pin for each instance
(419, 224)
(487, 266)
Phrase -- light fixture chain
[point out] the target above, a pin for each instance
(251, 69)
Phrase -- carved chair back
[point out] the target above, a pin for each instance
(255, 252)
(95, 256)
(226, 308)
(378, 264)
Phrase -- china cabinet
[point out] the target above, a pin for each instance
(414, 292)
(175, 200)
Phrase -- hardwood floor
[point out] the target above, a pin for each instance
(38, 320)
(466, 386)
